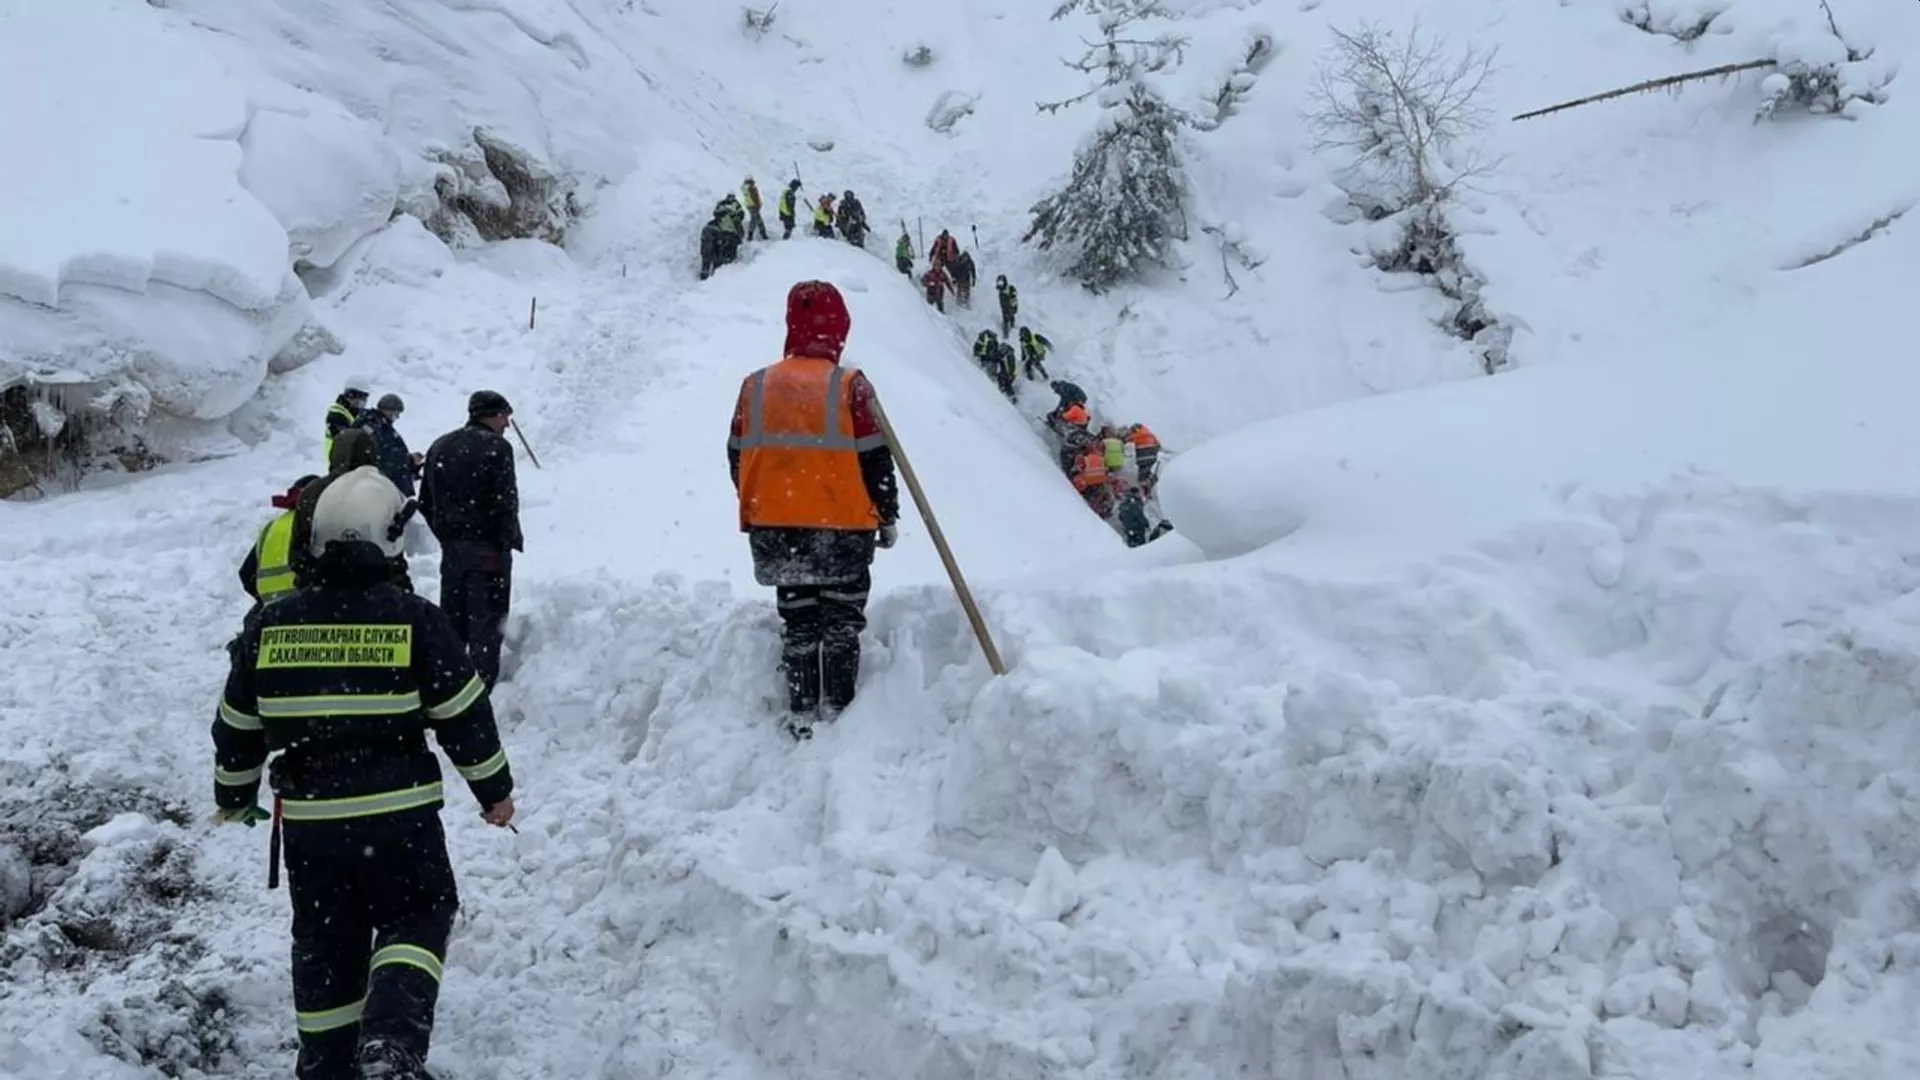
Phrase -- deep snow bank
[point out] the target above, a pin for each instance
(136, 252)
(1770, 398)
(1483, 818)
(214, 148)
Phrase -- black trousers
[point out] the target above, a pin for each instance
(373, 905)
(756, 226)
(476, 591)
(820, 641)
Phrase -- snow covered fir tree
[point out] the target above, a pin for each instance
(1120, 210)
(1542, 719)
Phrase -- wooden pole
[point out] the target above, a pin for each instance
(533, 309)
(960, 588)
(523, 441)
(1652, 84)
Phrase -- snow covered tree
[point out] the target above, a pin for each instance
(1120, 210)
(1403, 109)
(1123, 204)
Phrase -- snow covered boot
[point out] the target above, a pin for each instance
(383, 1059)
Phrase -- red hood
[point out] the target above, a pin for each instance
(817, 321)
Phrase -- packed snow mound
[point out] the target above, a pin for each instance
(1424, 470)
(136, 247)
(169, 197)
(1478, 818)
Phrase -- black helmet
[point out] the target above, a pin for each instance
(391, 403)
(488, 403)
(793, 183)
(1001, 280)
(1025, 333)
(847, 194)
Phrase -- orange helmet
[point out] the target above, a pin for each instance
(1077, 414)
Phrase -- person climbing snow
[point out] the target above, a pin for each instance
(267, 570)
(1006, 369)
(1033, 353)
(1130, 511)
(470, 498)
(1070, 394)
(344, 413)
(371, 886)
(720, 237)
(1090, 478)
(1071, 424)
(963, 278)
(986, 352)
(903, 253)
(396, 462)
(750, 196)
(1146, 457)
(817, 495)
(852, 220)
(945, 249)
(936, 283)
(785, 209)
(823, 217)
(354, 453)
(1009, 304)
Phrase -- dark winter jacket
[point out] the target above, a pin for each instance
(1070, 394)
(372, 742)
(852, 217)
(390, 451)
(963, 270)
(468, 491)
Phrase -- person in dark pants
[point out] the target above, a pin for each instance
(471, 501)
(817, 495)
(342, 680)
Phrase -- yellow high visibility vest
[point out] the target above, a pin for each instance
(326, 441)
(274, 573)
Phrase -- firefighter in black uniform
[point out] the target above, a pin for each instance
(471, 501)
(342, 680)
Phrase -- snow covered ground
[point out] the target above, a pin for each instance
(1551, 726)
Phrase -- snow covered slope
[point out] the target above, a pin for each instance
(1592, 771)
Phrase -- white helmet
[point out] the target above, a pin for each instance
(358, 505)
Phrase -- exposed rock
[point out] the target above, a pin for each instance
(498, 191)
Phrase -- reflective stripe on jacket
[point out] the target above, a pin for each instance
(273, 573)
(799, 454)
(1091, 472)
(339, 418)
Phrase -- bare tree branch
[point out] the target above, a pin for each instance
(1404, 107)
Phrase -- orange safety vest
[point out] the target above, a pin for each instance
(1142, 439)
(1091, 472)
(799, 457)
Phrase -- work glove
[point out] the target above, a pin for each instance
(888, 534)
(245, 815)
